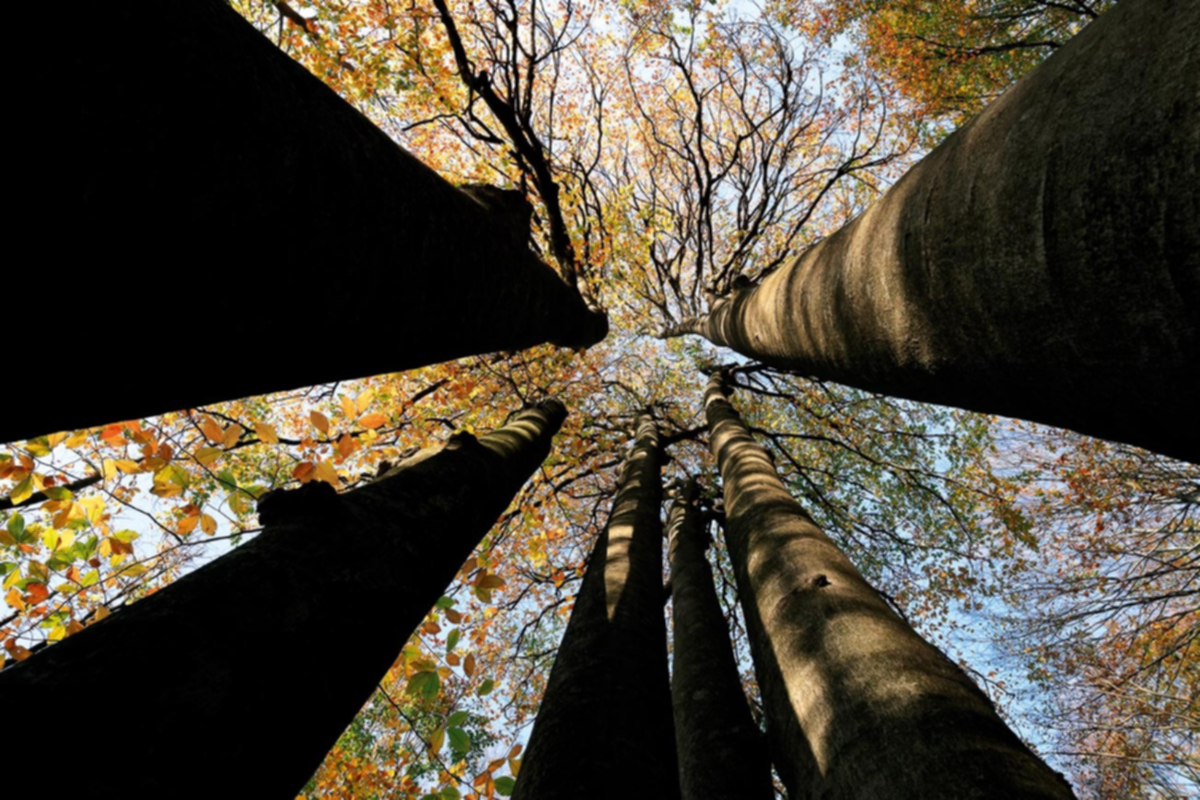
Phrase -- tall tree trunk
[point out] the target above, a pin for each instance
(858, 705)
(722, 753)
(235, 223)
(1043, 262)
(245, 672)
(605, 721)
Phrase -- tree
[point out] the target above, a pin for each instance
(857, 704)
(226, 151)
(722, 753)
(607, 708)
(1032, 265)
(217, 660)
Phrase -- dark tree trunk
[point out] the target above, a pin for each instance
(605, 721)
(236, 228)
(245, 672)
(722, 754)
(858, 705)
(1043, 262)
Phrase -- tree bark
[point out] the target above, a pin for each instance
(605, 721)
(233, 221)
(722, 754)
(1043, 262)
(245, 672)
(858, 705)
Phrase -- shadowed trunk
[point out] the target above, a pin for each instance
(722, 753)
(245, 672)
(236, 228)
(858, 705)
(605, 720)
(1043, 262)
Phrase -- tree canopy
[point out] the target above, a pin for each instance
(669, 154)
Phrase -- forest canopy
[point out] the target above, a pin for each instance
(658, 156)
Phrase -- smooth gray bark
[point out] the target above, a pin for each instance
(239, 677)
(722, 753)
(605, 725)
(233, 228)
(858, 705)
(1042, 263)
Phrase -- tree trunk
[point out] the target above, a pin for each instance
(245, 672)
(858, 705)
(1043, 262)
(234, 222)
(722, 753)
(605, 721)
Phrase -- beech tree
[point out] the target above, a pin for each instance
(230, 153)
(1040, 263)
(216, 661)
(607, 707)
(722, 753)
(857, 704)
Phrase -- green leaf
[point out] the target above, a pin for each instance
(425, 684)
(457, 718)
(459, 740)
(450, 793)
(16, 527)
(445, 602)
(58, 493)
(452, 639)
(486, 687)
(226, 479)
(505, 785)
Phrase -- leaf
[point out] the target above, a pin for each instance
(486, 687)
(231, 436)
(304, 471)
(469, 665)
(211, 430)
(453, 616)
(36, 593)
(22, 491)
(457, 718)
(437, 739)
(459, 740)
(488, 581)
(207, 455)
(326, 472)
(449, 793)
(346, 445)
(505, 785)
(364, 400)
(13, 598)
(266, 432)
(208, 524)
(320, 421)
(452, 639)
(373, 420)
(348, 407)
(424, 683)
(187, 525)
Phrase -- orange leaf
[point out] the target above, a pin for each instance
(13, 598)
(187, 525)
(266, 432)
(469, 665)
(320, 422)
(373, 420)
(326, 472)
(303, 471)
(211, 430)
(232, 434)
(36, 593)
(345, 445)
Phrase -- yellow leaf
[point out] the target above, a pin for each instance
(437, 739)
(110, 468)
(127, 466)
(326, 472)
(320, 422)
(373, 420)
(364, 400)
(101, 612)
(55, 439)
(77, 439)
(208, 524)
(231, 435)
(207, 455)
(13, 598)
(56, 633)
(74, 627)
(22, 491)
(266, 432)
(348, 407)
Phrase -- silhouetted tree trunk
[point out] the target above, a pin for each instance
(858, 705)
(235, 228)
(605, 721)
(1043, 262)
(241, 676)
(722, 753)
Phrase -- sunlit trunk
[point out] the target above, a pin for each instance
(604, 729)
(858, 705)
(1043, 262)
(238, 678)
